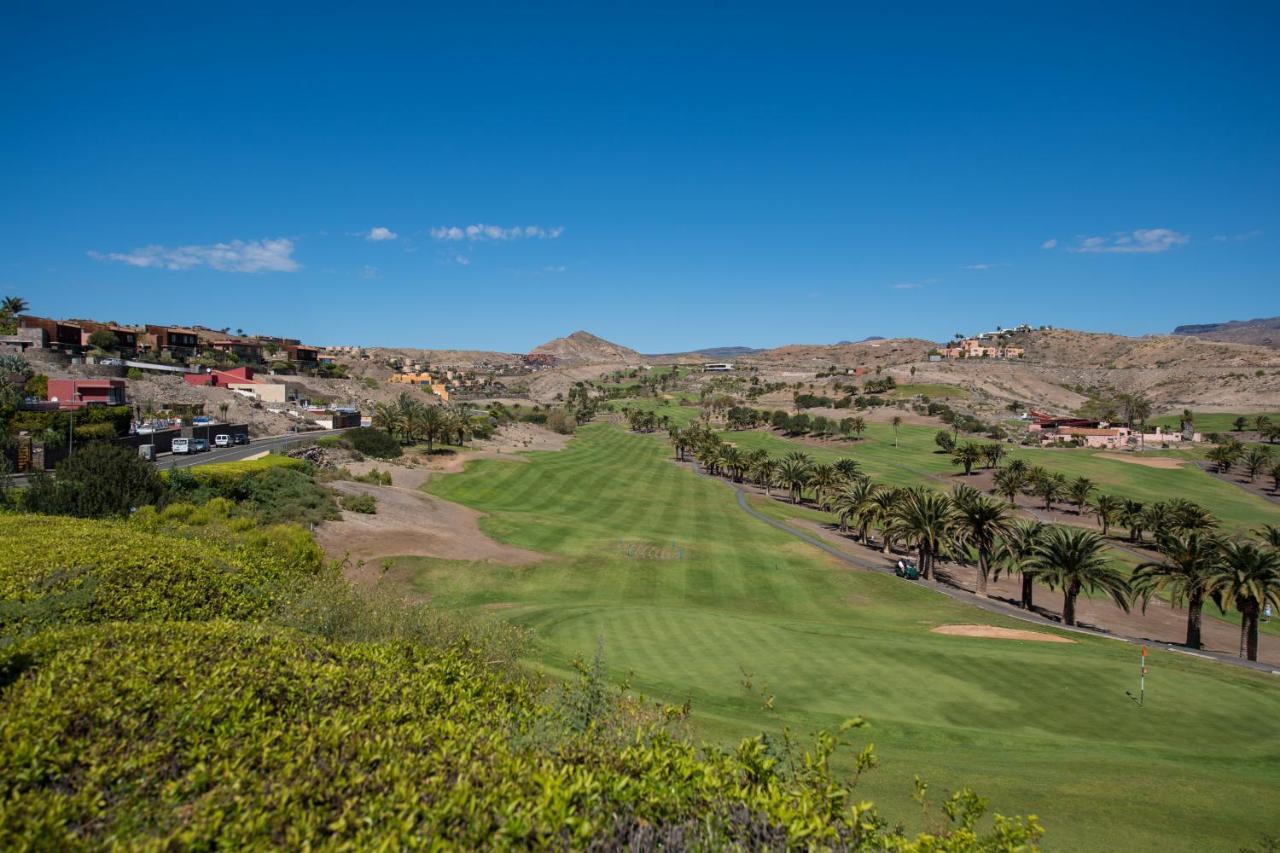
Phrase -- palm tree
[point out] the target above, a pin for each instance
(849, 469)
(1076, 560)
(1008, 481)
(925, 519)
(1186, 570)
(1051, 487)
(1260, 423)
(1247, 578)
(1187, 515)
(858, 425)
(897, 422)
(222, 410)
(1133, 516)
(1223, 456)
(967, 455)
(734, 462)
(979, 520)
(883, 504)
(1270, 535)
(764, 471)
(824, 479)
(854, 502)
(387, 417)
(1078, 492)
(1256, 460)
(14, 305)
(794, 474)
(1016, 549)
(993, 453)
(1107, 508)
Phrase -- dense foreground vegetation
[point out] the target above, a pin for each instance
(693, 598)
(187, 677)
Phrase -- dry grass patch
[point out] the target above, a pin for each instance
(991, 632)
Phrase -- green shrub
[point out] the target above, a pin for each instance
(98, 480)
(133, 373)
(361, 503)
(286, 495)
(242, 737)
(65, 570)
(373, 442)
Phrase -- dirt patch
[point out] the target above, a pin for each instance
(991, 632)
(410, 523)
(1165, 462)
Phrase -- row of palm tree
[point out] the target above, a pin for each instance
(969, 527)
(412, 420)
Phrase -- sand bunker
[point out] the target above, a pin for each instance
(410, 523)
(1149, 461)
(991, 632)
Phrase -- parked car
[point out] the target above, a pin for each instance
(222, 440)
(199, 445)
(240, 438)
(182, 445)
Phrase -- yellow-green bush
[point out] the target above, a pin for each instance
(235, 736)
(57, 569)
(223, 476)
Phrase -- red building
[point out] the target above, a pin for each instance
(237, 375)
(71, 394)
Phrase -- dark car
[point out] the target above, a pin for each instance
(240, 438)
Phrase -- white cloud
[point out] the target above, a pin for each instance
(377, 234)
(462, 260)
(983, 266)
(476, 233)
(1238, 238)
(907, 285)
(553, 269)
(1051, 243)
(1142, 241)
(370, 271)
(235, 256)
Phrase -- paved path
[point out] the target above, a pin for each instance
(966, 597)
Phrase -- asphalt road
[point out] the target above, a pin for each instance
(169, 461)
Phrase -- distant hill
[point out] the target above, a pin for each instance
(1264, 331)
(586, 348)
(708, 352)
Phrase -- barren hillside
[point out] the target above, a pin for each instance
(586, 348)
(1264, 331)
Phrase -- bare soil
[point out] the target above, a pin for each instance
(993, 633)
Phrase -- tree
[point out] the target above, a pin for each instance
(1107, 508)
(100, 479)
(1270, 535)
(1240, 423)
(1247, 578)
(793, 473)
(979, 520)
(854, 503)
(968, 455)
(1008, 481)
(223, 407)
(1051, 487)
(1076, 560)
(849, 469)
(1224, 455)
(1256, 460)
(883, 505)
(1260, 423)
(945, 440)
(1015, 552)
(1133, 516)
(993, 453)
(897, 422)
(764, 470)
(1185, 572)
(387, 417)
(103, 339)
(925, 519)
(1079, 491)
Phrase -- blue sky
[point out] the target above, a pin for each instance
(667, 176)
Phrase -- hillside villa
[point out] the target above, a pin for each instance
(982, 348)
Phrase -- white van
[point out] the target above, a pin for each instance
(222, 440)
(182, 445)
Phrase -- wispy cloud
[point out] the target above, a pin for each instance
(558, 268)
(1051, 243)
(370, 271)
(234, 256)
(982, 266)
(462, 260)
(1148, 241)
(377, 234)
(1238, 238)
(477, 233)
(908, 285)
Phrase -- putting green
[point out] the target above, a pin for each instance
(695, 598)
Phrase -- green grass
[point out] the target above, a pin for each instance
(931, 390)
(1038, 728)
(1207, 422)
(916, 461)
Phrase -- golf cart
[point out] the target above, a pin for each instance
(907, 569)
